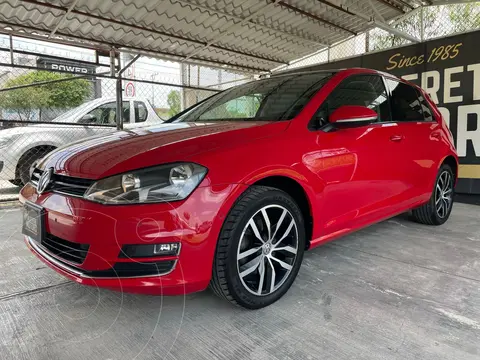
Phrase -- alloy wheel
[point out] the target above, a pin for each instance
(267, 250)
(444, 194)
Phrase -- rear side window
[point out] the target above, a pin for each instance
(359, 90)
(405, 103)
(141, 112)
(427, 110)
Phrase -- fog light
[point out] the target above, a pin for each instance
(150, 250)
(166, 249)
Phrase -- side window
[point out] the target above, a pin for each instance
(406, 105)
(359, 90)
(106, 114)
(141, 112)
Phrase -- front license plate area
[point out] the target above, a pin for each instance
(33, 221)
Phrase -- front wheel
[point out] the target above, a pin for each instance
(27, 163)
(260, 248)
(438, 209)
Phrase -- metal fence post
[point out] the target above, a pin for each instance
(118, 91)
(12, 60)
(422, 23)
(119, 110)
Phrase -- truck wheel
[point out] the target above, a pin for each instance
(16, 182)
(27, 162)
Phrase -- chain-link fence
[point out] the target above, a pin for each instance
(423, 23)
(47, 101)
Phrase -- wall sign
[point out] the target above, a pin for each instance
(65, 65)
(449, 70)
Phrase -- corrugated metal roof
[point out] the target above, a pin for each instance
(256, 35)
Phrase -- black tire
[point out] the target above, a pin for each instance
(429, 214)
(226, 282)
(27, 160)
(16, 182)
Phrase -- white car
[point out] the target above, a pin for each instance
(21, 147)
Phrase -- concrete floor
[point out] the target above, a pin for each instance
(8, 192)
(396, 290)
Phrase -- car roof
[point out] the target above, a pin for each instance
(356, 70)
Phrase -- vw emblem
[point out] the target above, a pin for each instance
(44, 180)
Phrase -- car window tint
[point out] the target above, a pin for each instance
(405, 103)
(359, 90)
(141, 112)
(427, 110)
(276, 98)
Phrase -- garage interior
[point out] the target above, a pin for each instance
(395, 290)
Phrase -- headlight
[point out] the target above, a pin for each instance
(163, 183)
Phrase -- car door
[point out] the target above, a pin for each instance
(419, 134)
(358, 163)
(139, 115)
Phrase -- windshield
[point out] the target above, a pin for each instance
(71, 112)
(273, 99)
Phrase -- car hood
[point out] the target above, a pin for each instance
(38, 128)
(121, 151)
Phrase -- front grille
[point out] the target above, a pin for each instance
(36, 176)
(66, 250)
(135, 269)
(64, 184)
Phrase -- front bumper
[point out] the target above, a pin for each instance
(195, 223)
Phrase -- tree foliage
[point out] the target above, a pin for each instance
(437, 21)
(60, 95)
(173, 100)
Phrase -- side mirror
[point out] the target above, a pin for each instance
(355, 115)
(87, 119)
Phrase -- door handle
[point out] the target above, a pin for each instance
(437, 135)
(397, 138)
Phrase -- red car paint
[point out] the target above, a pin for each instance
(352, 178)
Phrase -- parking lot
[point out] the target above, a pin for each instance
(8, 192)
(396, 290)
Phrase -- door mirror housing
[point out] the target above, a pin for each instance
(88, 119)
(355, 115)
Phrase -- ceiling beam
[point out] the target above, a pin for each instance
(75, 40)
(452, 2)
(70, 8)
(153, 31)
(369, 19)
(391, 5)
(376, 11)
(224, 32)
(407, 5)
(315, 17)
(300, 37)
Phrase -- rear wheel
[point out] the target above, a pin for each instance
(438, 209)
(260, 248)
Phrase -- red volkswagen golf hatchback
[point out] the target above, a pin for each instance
(231, 192)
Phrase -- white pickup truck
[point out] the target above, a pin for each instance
(21, 147)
